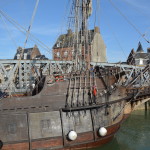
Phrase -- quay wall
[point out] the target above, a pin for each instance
(145, 106)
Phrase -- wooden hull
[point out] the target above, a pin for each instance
(40, 122)
(43, 121)
(84, 141)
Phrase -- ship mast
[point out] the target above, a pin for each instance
(76, 37)
(83, 9)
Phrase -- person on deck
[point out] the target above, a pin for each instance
(91, 70)
(94, 92)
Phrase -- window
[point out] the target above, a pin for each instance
(58, 54)
(65, 53)
(72, 52)
(25, 55)
(46, 126)
(12, 128)
(18, 56)
(58, 45)
(141, 61)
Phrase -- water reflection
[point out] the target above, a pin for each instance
(134, 133)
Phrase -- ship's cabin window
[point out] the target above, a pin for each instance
(46, 126)
(12, 128)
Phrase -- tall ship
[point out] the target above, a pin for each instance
(79, 109)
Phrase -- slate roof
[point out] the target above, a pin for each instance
(32, 53)
(130, 59)
(141, 55)
(140, 48)
(66, 40)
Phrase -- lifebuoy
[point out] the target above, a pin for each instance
(59, 78)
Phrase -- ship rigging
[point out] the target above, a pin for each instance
(78, 108)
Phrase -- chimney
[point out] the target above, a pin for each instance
(69, 32)
(35, 46)
(96, 30)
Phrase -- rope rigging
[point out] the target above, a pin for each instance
(97, 21)
(6, 27)
(125, 17)
(97, 12)
(28, 34)
(116, 38)
(135, 8)
(31, 22)
(24, 31)
(21, 54)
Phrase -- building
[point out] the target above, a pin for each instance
(29, 53)
(139, 57)
(63, 48)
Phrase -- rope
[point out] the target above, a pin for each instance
(145, 34)
(31, 22)
(69, 26)
(24, 31)
(6, 27)
(97, 12)
(115, 37)
(27, 35)
(122, 109)
(136, 29)
(135, 8)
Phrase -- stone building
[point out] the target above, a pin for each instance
(139, 57)
(63, 48)
(29, 53)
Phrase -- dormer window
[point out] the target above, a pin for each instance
(25, 55)
(18, 56)
(59, 44)
(141, 61)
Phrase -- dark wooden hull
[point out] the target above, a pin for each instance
(40, 122)
(43, 121)
(84, 141)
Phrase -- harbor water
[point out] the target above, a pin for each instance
(134, 133)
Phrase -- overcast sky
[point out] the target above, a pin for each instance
(120, 26)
